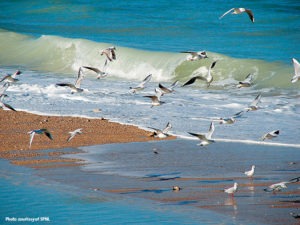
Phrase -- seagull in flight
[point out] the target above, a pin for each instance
(239, 11)
(11, 78)
(39, 131)
(74, 87)
(254, 105)
(250, 173)
(167, 90)
(208, 79)
(270, 135)
(110, 53)
(74, 133)
(205, 138)
(156, 98)
(247, 82)
(296, 76)
(141, 86)
(233, 189)
(161, 133)
(3, 105)
(193, 56)
(100, 74)
(281, 185)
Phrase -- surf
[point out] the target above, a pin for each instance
(63, 56)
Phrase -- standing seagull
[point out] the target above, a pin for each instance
(205, 138)
(270, 135)
(254, 105)
(296, 76)
(39, 131)
(74, 133)
(141, 86)
(100, 74)
(239, 11)
(247, 82)
(11, 78)
(232, 190)
(109, 53)
(208, 79)
(250, 173)
(74, 87)
(193, 56)
(161, 133)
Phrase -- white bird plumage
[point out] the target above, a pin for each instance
(239, 11)
(250, 173)
(296, 76)
(233, 189)
(74, 133)
(205, 138)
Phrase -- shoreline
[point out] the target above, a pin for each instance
(95, 131)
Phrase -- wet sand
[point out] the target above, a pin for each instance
(15, 138)
(202, 173)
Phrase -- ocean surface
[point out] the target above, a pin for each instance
(50, 40)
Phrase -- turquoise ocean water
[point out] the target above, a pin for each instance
(49, 40)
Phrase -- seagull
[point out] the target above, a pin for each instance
(167, 90)
(208, 79)
(109, 53)
(161, 133)
(247, 82)
(295, 215)
(11, 78)
(193, 56)
(156, 98)
(73, 133)
(176, 188)
(239, 11)
(227, 120)
(296, 76)
(270, 135)
(250, 173)
(232, 190)
(100, 74)
(141, 86)
(39, 131)
(74, 88)
(281, 185)
(253, 106)
(4, 105)
(205, 138)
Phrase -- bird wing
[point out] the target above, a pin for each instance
(147, 79)
(167, 128)
(210, 131)
(256, 100)
(200, 136)
(164, 89)
(9, 107)
(106, 53)
(250, 14)
(80, 77)
(193, 79)
(230, 10)
(32, 133)
(190, 52)
(113, 54)
(296, 67)
(96, 70)
(248, 78)
(66, 85)
(47, 133)
(173, 85)
(5, 78)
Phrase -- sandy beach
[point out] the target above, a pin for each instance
(15, 138)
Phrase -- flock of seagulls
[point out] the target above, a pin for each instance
(205, 138)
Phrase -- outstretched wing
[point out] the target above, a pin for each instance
(200, 136)
(192, 80)
(80, 77)
(230, 10)
(250, 14)
(167, 128)
(256, 100)
(210, 131)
